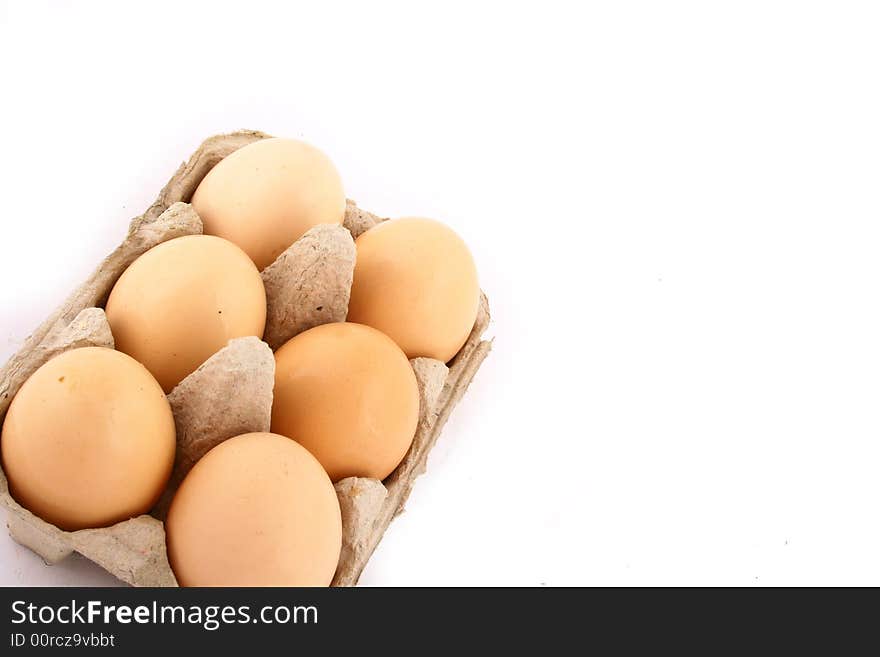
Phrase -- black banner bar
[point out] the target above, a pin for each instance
(392, 620)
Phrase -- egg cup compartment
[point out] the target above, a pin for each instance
(231, 393)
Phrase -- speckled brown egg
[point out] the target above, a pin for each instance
(184, 300)
(89, 440)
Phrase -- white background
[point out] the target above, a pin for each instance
(674, 208)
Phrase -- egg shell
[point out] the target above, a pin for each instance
(88, 440)
(415, 280)
(264, 196)
(348, 394)
(184, 300)
(257, 510)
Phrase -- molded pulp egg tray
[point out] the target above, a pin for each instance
(231, 393)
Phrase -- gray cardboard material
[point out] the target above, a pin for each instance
(134, 550)
(309, 283)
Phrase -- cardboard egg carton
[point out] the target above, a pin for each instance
(231, 393)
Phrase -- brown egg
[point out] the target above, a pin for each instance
(415, 280)
(348, 394)
(88, 440)
(264, 196)
(257, 510)
(183, 301)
